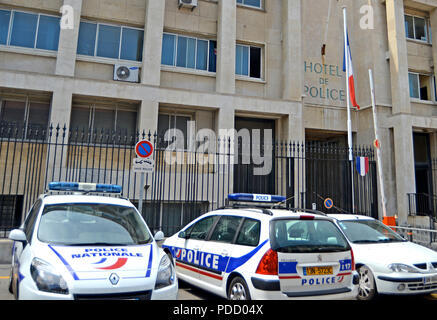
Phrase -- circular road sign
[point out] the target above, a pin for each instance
(144, 149)
(328, 203)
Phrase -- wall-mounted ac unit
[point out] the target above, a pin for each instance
(188, 4)
(126, 73)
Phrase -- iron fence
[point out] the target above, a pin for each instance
(185, 183)
(422, 204)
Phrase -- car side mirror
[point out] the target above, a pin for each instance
(183, 235)
(159, 236)
(18, 235)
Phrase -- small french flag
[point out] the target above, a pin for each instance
(363, 165)
(348, 55)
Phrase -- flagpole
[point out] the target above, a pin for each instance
(349, 121)
(378, 149)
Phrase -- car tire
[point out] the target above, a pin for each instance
(238, 290)
(367, 286)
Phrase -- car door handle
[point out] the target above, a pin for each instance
(225, 253)
(196, 248)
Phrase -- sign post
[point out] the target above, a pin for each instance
(143, 164)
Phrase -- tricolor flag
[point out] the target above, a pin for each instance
(347, 55)
(363, 165)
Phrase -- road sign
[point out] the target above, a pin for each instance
(142, 165)
(328, 203)
(144, 149)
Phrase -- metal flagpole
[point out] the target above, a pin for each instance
(378, 150)
(349, 121)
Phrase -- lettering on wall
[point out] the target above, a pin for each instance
(329, 76)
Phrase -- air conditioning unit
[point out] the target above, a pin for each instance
(126, 73)
(188, 4)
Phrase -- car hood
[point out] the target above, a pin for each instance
(93, 262)
(395, 252)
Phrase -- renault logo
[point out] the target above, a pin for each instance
(114, 279)
(319, 258)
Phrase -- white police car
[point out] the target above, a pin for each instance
(386, 262)
(88, 247)
(263, 253)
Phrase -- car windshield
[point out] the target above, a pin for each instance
(92, 224)
(369, 231)
(306, 236)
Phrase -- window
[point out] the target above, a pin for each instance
(200, 230)
(416, 28)
(28, 117)
(421, 86)
(109, 41)
(103, 120)
(173, 122)
(188, 52)
(250, 3)
(249, 233)
(29, 224)
(248, 61)
(226, 229)
(29, 30)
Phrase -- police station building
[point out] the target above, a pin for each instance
(83, 80)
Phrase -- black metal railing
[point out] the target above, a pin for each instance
(185, 183)
(422, 204)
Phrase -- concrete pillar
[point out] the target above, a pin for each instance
(400, 88)
(60, 112)
(66, 60)
(433, 21)
(292, 71)
(226, 42)
(148, 116)
(404, 161)
(153, 33)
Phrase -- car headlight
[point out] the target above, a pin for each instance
(400, 267)
(46, 277)
(166, 274)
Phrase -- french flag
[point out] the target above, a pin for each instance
(363, 165)
(348, 55)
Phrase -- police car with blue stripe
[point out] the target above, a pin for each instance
(254, 250)
(85, 246)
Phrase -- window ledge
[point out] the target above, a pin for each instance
(419, 42)
(429, 102)
(110, 61)
(248, 79)
(29, 51)
(188, 71)
(245, 6)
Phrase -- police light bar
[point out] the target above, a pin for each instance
(84, 187)
(251, 197)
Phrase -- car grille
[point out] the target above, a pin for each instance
(420, 266)
(144, 295)
(421, 286)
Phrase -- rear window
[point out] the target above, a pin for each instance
(306, 236)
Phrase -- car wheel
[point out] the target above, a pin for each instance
(367, 286)
(238, 290)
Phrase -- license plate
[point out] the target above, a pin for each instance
(318, 271)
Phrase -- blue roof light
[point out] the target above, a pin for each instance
(251, 197)
(84, 187)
